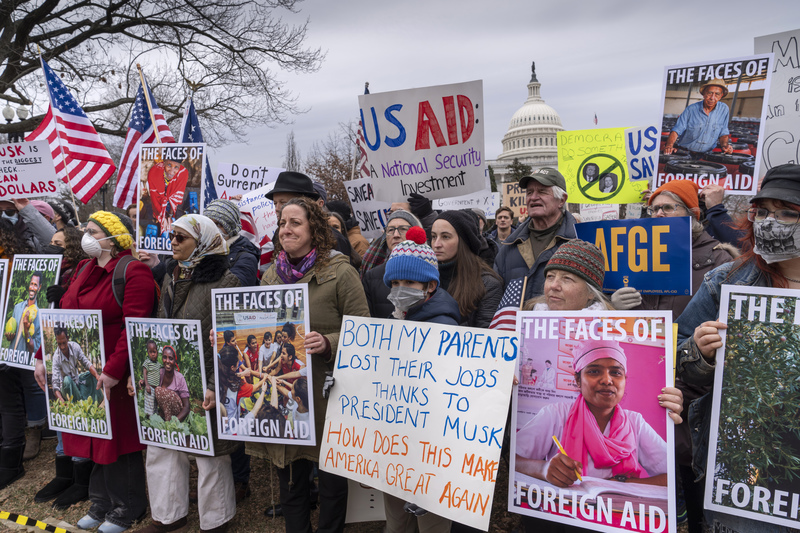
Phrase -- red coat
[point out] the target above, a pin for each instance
(92, 290)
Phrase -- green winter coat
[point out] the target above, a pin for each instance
(333, 292)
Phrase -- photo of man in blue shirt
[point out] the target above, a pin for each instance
(703, 124)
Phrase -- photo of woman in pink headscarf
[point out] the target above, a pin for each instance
(601, 439)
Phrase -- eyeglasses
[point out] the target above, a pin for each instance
(177, 237)
(667, 208)
(90, 231)
(396, 229)
(782, 216)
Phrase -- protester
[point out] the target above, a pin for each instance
(12, 382)
(703, 125)
(64, 214)
(503, 219)
(67, 243)
(771, 258)
(357, 240)
(376, 291)
(244, 256)
(526, 252)
(336, 222)
(420, 207)
(199, 264)
(44, 209)
(412, 274)
(116, 486)
(456, 240)
(679, 198)
(304, 255)
(719, 223)
(28, 222)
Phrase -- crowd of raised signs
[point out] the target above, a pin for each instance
(447, 267)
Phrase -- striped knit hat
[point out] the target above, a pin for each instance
(226, 214)
(412, 260)
(581, 258)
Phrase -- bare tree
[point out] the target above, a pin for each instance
(228, 51)
(331, 161)
(292, 160)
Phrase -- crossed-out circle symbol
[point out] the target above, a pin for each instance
(606, 167)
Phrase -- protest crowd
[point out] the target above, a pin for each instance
(191, 428)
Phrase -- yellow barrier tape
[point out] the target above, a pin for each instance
(26, 521)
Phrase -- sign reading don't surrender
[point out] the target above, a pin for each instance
(418, 411)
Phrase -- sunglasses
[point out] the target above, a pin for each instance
(177, 237)
(10, 211)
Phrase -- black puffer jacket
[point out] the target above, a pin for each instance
(377, 292)
(243, 261)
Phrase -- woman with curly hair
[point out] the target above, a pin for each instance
(304, 254)
(66, 242)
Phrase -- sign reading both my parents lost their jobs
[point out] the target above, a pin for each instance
(427, 140)
(652, 255)
(418, 411)
(595, 166)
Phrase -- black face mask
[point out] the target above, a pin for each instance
(52, 249)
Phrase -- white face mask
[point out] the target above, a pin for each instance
(92, 246)
(404, 298)
(776, 242)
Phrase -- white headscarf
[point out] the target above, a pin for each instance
(205, 232)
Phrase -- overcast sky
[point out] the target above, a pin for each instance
(591, 57)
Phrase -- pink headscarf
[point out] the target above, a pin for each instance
(582, 436)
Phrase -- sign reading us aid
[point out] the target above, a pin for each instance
(417, 412)
(427, 140)
(641, 150)
(652, 255)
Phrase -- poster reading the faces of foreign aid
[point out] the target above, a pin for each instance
(74, 356)
(169, 378)
(712, 127)
(590, 445)
(30, 276)
(262, 370)
(170, 180)
(754, 440)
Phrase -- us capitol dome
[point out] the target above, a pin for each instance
(531, 135)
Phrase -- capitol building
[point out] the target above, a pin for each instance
(531, 135)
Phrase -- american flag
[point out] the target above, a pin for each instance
(140, 130)
(361, 157)
(190, 133)
(595, 119)
(506, 316)
(80, 158)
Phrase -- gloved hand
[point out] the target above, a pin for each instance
(414, 509)
(54, 294)
(420, 206)
(328, 384)
(626, 298)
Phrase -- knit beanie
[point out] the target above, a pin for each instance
(686, 190)
(412, 260)
(64, 210)
(466, 225)
(44, 208)
(581, 258)
(226, 214)
(405, 215)
(118, 227)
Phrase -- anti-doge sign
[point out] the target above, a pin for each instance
(417, 411)
(652, 255)
(427, 140)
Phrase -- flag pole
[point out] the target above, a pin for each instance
(58, 136)
(356, 156)
(522, 297)
(146, 91)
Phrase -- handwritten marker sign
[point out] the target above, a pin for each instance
(26, 169)
(653, 255)
(427, 140)
(170, 179)
(562, 408)
(780, 141)
(30, 276)
(262, 209)
(486, 200)
(753, 441)
(249, 408)
(235, 180)
(156, 347)
(514, 198)
(370, 213)
(74, 405)
(641, 151)
(748, 82)
(417, 412)
(595, 167)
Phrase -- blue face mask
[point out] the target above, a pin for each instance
(13, 218)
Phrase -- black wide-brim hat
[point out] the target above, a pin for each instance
(781, 183)
(294, 183)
